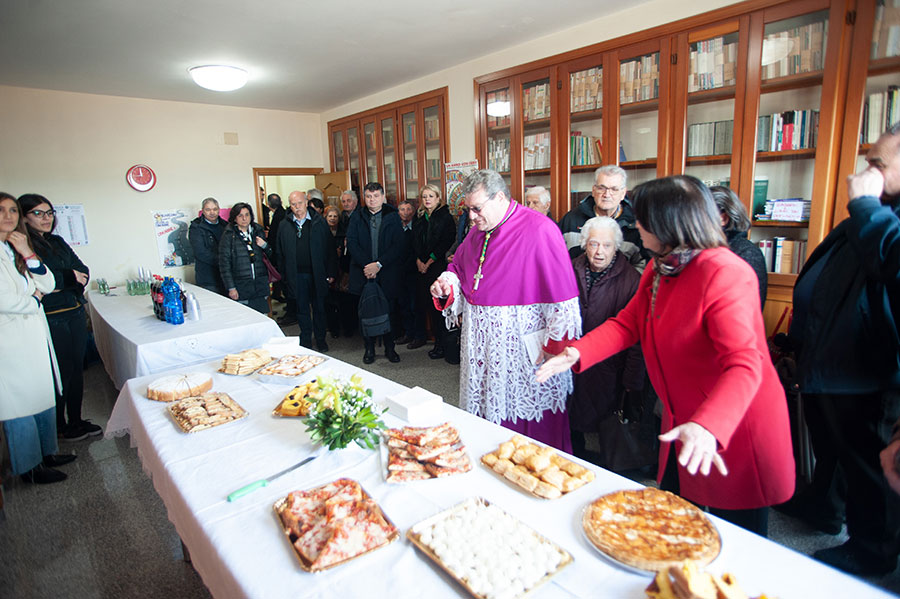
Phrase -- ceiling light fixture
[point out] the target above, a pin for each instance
(219, 78)
(498, 109)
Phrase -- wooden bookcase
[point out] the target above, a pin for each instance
(759, 96)
(402, 145)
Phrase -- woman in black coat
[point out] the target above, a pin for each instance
(433, 234)
(241, 263)
(64, 309)
(735, 224)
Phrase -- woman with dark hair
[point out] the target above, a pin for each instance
(433, 235)
(735, 224)
(696, 314)
(27, 364)
(64, 308)
(241, 263)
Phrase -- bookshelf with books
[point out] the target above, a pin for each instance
(403, 144)
(535, 124)
(585, 94)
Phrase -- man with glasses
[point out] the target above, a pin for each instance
(512, 284)
(306, 258)
(608, 198)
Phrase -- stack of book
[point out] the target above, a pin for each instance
(537, 151)
(432, 129)
(370, 141)
(783, 255)
(498, 155)
(411, 169)
(710, 139)
(387, 137)
(803, 49)
(409, 132)
(886, 34)
(433, 168)
(790, 130)
(585, 149)
(586, 90)
(353, 142)
(536, 102)
(639, 79)
(880, 112)
(712, 64)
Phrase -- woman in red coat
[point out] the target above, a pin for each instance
(697, 316)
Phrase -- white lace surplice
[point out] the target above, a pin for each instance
(496, 379)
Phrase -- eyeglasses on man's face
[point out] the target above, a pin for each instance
(43, 213)
(603, 189)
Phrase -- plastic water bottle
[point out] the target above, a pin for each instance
(177, 307)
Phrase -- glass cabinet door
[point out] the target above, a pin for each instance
(638, 125)
(434, 159)
(389, 158)
(498, 107)
(338, 145)
(709, 125)
(410, 154)
(371, 153)
(791, 71)
(353, 158)
(881, 104)
(586, 152)
(536, 145)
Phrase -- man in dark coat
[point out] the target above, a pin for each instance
(375, 245)
(276, 216)
(607, 199)
(308, 262)
(406, 317)
(610, 391)
(845, 325)
(204, 235)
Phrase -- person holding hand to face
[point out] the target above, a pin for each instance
(27, 362)
(726, 440)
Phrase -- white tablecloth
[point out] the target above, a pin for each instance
(132, 342)
(240, 551)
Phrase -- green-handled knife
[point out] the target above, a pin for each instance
(262, 483)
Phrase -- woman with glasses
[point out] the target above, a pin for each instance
(27, 365)
(64, 308)
(241, 263)
(726, 440)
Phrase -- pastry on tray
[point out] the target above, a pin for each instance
(333, 523)
(687, 581)
(420, 453)
(291, 366)
(245, 362)
(537, 469)
(296, 402)
(650, 529)
(178, 386)
(205, 411)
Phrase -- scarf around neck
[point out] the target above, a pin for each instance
(669, 265)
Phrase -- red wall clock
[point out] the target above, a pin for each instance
(141, 177)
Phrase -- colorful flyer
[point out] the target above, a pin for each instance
(456, 174)
(171, 227)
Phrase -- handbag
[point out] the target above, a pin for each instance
(274, 275)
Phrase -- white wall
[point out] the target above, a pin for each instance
(459, 78)
(75, 149)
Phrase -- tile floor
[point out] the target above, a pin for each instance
(104, 533)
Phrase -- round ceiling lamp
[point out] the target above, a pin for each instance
(219, 78)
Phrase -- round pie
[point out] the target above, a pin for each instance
(650, 529)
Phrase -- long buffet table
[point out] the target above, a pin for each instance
(132, 342)
(240, 551)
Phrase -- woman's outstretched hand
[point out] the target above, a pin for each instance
(699, 448)
(558, 363)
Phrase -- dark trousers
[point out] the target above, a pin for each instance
(858, 427)
(755, 519)
(825, 494)
(332, 312)
(387, 339)
(426, 307)
(310, 301)
(406, 315)
(69, 333)
(348, 309)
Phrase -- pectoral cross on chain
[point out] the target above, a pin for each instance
(478, 277)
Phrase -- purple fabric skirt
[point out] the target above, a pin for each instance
(552, 429)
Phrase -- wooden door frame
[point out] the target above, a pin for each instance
(274, 171)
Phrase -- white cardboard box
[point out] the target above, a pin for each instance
(416, 406)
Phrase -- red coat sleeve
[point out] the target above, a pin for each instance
(734, 326)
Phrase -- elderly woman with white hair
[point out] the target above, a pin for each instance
(538, 199)
(611, 391)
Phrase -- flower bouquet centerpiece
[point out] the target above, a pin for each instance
(341, 412)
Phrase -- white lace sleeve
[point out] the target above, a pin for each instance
(563, 320)
(454, 309)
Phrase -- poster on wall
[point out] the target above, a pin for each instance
(71, 224)
(456, 174)
(171, 228)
